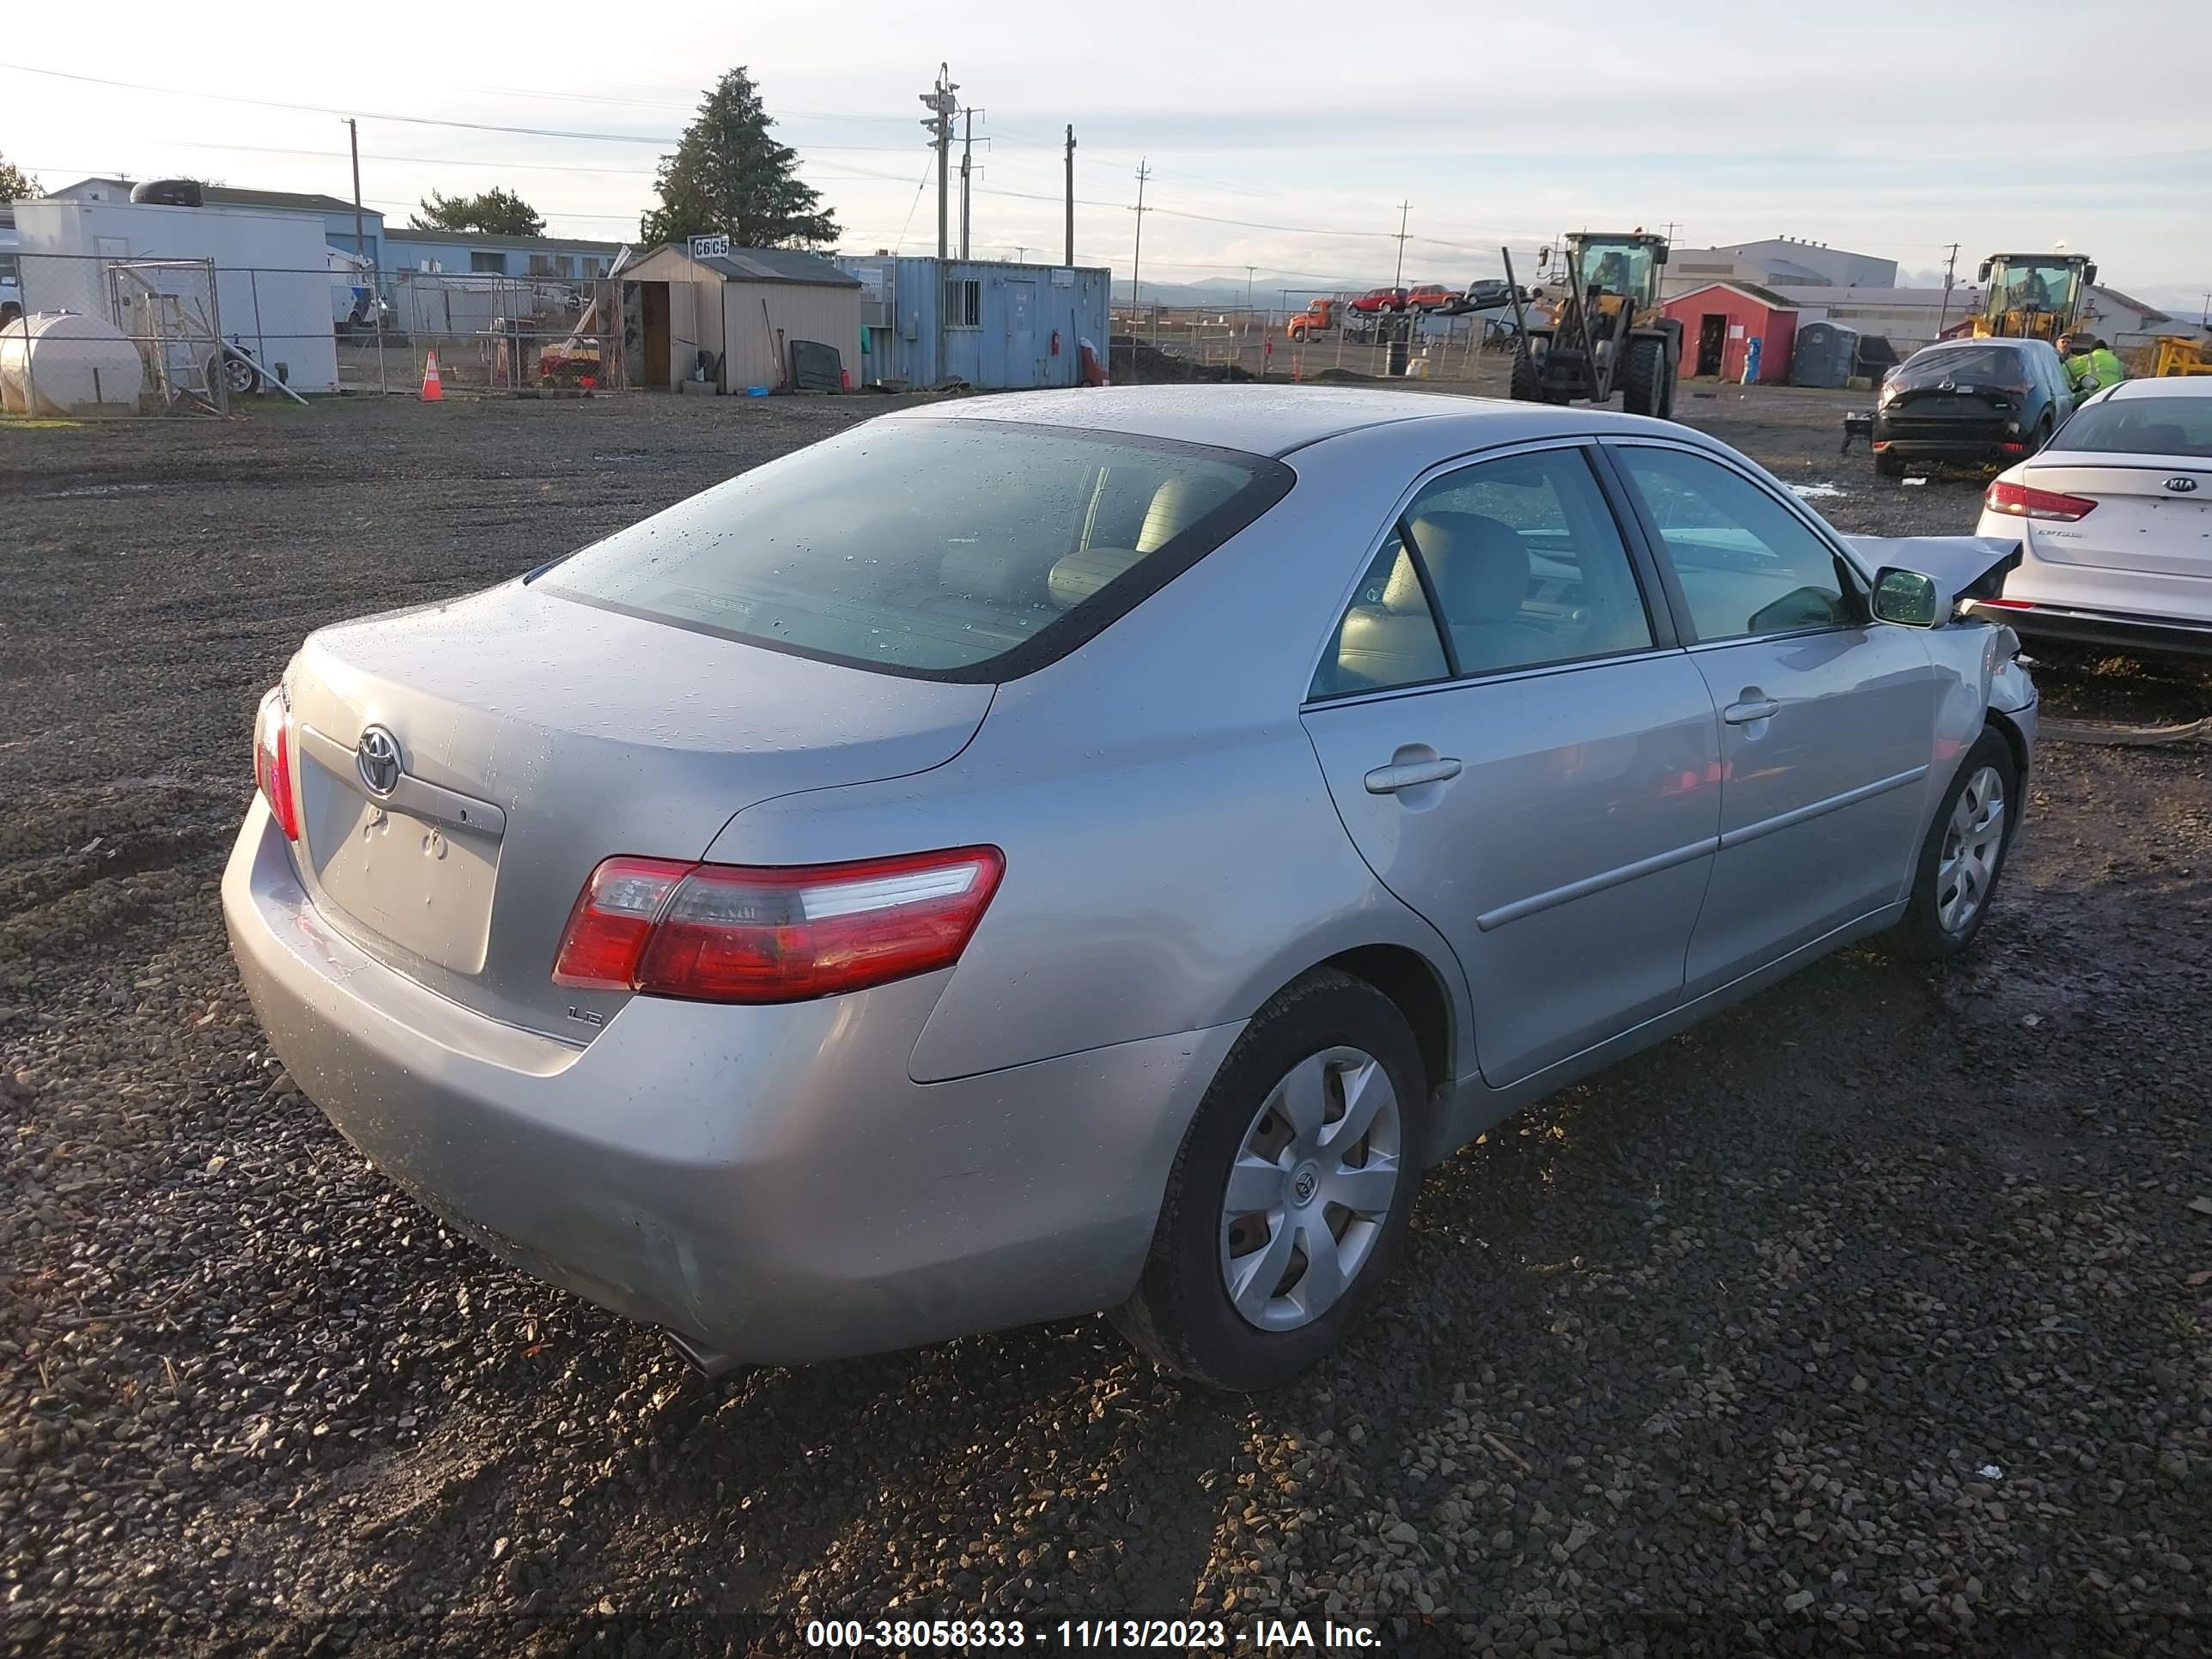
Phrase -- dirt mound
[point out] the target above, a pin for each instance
(1136, 363)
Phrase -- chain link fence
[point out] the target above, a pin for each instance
(92, 335)
(1155, 344)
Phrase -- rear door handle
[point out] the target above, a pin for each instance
(1743, 714)
(1388, 779)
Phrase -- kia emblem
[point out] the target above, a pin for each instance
(2182, 486)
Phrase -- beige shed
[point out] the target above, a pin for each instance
(739, 310)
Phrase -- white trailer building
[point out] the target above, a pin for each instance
(272, 276)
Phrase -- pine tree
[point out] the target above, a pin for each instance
(728, 176)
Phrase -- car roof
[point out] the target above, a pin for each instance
(1263, 420)
(2171, 386)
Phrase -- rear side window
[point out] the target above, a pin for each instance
(1521, 560)
(962, 549)
(2143, 426)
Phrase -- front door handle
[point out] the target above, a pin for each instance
(1389, 779)
(1743, 714)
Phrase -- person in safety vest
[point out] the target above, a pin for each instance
(2104, 364)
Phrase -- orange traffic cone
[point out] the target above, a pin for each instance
(433, 390)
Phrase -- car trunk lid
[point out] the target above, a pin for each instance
(2152, 515)
(464, 767)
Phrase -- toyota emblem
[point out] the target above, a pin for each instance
(377, 759)
(2181, 486)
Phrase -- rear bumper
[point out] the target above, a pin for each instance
(768, 1183)
(1975, 443)
(2071, 625)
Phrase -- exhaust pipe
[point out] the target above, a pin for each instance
(705, 1361)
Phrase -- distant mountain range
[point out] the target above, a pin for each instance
(1227, 291)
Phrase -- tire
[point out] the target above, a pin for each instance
(1644, 378)
(240, 377)
(1989, 778)
(1667, 392)
(1527, 386)
(2044, 430)
(1888, 465)
(1326, 1026)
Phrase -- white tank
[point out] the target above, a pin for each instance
(66, 359)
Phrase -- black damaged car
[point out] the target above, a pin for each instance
(1970, 400)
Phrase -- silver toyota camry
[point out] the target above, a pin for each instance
(1093, 850)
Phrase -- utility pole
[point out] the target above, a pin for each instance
(1950, 268)
(1250, 271)
(1136, 259)
(353, 140)
(1071, 193)
(967, 146)
(942, 103)
(1020, 248)
(1672, 227)
(1404, 207)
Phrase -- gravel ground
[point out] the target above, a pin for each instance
(1872, 1316)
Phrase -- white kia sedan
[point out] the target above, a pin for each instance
(2114, 521)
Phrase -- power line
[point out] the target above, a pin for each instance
(331, 109)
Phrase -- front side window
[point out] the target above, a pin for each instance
(966, 549)
(1518, 558)
(1748, 565)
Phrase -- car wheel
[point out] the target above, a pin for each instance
(1886, 466)
(1963, 857)
(2041, 440)
(1291, 1192)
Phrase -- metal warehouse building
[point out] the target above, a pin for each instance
(740, 311)
(1005, 327)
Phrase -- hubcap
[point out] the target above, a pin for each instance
(1973, 841)
(1310, 1189)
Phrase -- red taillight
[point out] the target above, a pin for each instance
(272, 760)
(2025, 502)
(721, 932)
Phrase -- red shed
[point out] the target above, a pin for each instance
(1720, 320)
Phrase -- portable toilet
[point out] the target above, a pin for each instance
(1825, 355)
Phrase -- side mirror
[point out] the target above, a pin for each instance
(1906, 598)
(2088, 275)
(1659, 254)
(1983, 274)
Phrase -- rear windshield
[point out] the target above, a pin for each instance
(1975, 365)
(963, 550)
(2143, 426)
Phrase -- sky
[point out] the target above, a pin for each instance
(1281, 139)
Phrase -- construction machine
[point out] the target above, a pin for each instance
(2031, 297)
(1606, 331)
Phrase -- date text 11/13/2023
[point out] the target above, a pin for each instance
(1171, 1635)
